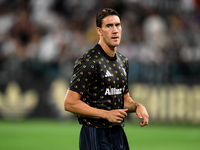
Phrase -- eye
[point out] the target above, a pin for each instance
(117, 25)
(109, 25)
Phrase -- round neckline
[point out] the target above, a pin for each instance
(106, 55)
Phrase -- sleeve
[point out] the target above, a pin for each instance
(127, 71)
(83, 75)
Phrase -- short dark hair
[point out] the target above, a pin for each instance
(104, 13)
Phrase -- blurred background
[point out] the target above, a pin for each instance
(41, 39)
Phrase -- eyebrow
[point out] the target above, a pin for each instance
(111, 24)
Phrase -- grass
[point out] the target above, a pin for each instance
(64, 135)
(165, 137)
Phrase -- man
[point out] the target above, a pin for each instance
(98, 91)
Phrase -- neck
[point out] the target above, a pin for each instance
(109, 50)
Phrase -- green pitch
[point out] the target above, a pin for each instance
(64, 135)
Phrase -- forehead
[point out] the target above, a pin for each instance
(111, 19)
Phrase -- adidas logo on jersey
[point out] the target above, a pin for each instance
(108, 74)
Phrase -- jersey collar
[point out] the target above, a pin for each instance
(104, 53)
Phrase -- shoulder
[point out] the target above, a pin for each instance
(122, 57)
(90, 54)
(88, 59)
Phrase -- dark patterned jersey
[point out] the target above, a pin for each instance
(101, 80)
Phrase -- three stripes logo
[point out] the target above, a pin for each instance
(108, 74)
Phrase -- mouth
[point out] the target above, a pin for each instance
(115, 38)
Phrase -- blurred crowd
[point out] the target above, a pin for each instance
(52, 34)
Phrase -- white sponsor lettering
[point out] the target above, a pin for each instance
(113, 91)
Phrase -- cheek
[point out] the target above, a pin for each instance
(120, 30)
(105, 35)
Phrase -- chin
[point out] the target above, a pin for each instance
(116, 44)
(113, 44)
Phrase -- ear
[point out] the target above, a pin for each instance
(99, 31)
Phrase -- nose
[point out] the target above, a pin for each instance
(115, 30)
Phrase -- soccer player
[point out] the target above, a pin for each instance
(98, 91)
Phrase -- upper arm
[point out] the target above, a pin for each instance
(71, 98)
(74, 104)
